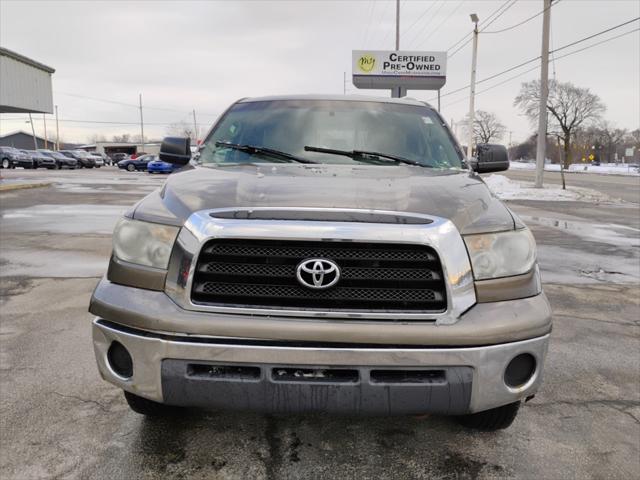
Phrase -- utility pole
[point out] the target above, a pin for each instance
(195, 127)
(33, 132)
(397, 24)
(141, 124)
(472, 96)
(57, 131)
(510, 132)
(544, 94)
(344, 83)
(397, 92)
(44, 119)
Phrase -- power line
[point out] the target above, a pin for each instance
(538, 66)
(597, 43)
(595, 35)
(523, 21)
(454, 45)
(461, 47)
(115, 102)
(499, 15)
(96, 99)
(384, 14)
(365, 37)
(433, 3)
(445, 20)
(538, 57)
(426, 25)
(499, 11)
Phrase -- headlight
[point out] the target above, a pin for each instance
(504, 254)
(144, 243)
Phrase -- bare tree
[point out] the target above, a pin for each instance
(181, 129)
(97, 137)
(487, 127)
(611, 138)
(570, 107)
(124, 138)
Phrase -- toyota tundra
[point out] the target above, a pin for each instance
(332, 254)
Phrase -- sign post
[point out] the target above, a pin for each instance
(399, 70)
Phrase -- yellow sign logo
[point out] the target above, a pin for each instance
(366, 63)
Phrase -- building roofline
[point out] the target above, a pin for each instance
(15, 132)
(21, 58)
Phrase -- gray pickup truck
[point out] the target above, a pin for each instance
(333, 254)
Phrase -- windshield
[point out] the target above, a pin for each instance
(413, 133)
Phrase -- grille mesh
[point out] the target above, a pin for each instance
(374, 277)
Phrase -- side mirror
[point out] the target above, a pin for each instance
(176, 150)
(491, 157)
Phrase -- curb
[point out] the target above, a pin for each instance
(22, 186)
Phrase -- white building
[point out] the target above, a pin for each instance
(25, 85)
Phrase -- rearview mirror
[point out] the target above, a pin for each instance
(490, 157)
(176, 150)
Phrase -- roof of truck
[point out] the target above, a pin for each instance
(348, 98)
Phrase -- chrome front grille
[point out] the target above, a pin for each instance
(374, 277)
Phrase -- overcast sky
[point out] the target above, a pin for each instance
(204, 55)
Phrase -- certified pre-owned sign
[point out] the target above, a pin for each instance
(388, 69)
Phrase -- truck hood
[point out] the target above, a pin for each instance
(457, 195)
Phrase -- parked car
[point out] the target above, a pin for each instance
(97, 159)
(139, 163)
(116, 157)
(43, 161)
(158, 166)
(330, 254)
(33, 156)
(82, 157)
(12, 157)
(106, 159)
(60, 159)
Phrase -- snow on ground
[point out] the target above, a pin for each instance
(605, 168)
(507, 189)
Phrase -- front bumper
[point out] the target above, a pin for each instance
(23, 162)
(181, 370)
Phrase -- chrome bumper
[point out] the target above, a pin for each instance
(486, 366)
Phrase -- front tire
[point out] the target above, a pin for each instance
(148, 407)
(6, 163)
(491, 420)
(131, 168)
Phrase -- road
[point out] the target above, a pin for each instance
(626, 188)
(60, 420)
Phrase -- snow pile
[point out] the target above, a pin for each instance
(506, 189)
(605, 168)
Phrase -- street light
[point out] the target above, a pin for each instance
(475, 20)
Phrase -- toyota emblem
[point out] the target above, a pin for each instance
(318, 273)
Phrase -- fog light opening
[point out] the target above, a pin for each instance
(520, 370)
(120, 360)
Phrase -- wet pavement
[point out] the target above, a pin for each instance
(58, 419)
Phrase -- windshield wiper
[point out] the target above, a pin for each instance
(363, 155)
(253, 150)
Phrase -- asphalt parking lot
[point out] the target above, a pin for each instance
(60, 420)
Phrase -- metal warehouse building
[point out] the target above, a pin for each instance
(25, 85)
